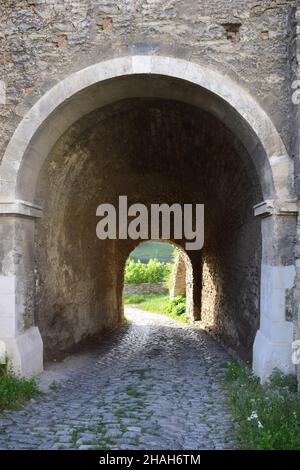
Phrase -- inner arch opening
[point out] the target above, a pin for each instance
(160, 271)
(154, 151)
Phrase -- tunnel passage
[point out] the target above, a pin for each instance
(153, 151)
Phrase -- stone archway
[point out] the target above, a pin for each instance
(254, 139)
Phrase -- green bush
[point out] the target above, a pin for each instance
(268, 415)
(177, 306)
(14, 391)
(152, 272)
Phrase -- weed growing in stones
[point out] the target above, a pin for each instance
(141, 373)
(15, 391)
(268, 415)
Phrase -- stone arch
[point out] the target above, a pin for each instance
(63, 104)
(160, 77)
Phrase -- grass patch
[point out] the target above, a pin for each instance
(268, 415)
(15, 391)
(158, 303)
(151, 302)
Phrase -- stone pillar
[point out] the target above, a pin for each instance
(296, 124)
(19, 338)
(183, 283)
(178, 286)
(297, 305)
(273, 343)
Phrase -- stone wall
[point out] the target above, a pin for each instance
(178, 286)
(146, 288)
(44, 41)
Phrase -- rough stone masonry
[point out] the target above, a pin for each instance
(163, 101)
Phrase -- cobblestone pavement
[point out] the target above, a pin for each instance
(153, 384)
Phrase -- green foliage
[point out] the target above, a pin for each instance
(14, 391)
(159, 303)
(168, 278)
(177, 306)
(268, 415)
(153, 272)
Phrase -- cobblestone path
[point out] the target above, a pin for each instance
(153, 384)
